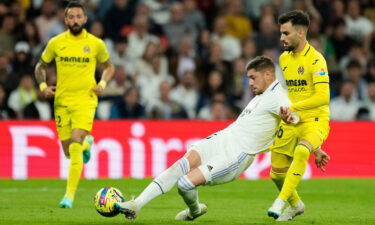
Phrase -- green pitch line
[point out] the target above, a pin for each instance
(328, 201)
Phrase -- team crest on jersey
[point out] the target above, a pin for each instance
(321, 72)
(300, 70)
(86, 49)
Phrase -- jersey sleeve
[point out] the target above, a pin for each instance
(49, 52)
(102, 55)
(279, 99)
(321, 84)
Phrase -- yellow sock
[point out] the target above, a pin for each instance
(75, 169)
(85, 145)
(295, 172)
(278, 179)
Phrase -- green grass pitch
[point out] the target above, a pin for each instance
(328, 201)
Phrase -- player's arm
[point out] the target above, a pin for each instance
(106, 76)
(321, 84)
(41, 77)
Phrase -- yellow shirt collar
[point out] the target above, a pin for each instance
(82, 35)
(305, 50)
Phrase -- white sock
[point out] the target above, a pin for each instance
(164, 182)
(191, 199)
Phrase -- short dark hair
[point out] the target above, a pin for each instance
(296, 17)
(260, 63)
(353, 64)
(74, 4)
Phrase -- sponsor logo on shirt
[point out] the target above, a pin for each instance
(74, 59)
(321, 72)
(296, 82)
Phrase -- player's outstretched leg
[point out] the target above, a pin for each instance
(189, 193)
(292, 211)
(160, 185)
(87, 144)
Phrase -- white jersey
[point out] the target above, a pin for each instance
(253, 131)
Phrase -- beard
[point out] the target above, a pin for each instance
(75, 29)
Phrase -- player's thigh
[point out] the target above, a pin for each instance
(224, 170)
(286, 138)
(63, 122)
(83, 117)
(280, 161)
(314, 132)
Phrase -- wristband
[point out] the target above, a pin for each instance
(43, 86)
(103, 84)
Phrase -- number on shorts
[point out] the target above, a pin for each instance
(58, 121)
(280, 132)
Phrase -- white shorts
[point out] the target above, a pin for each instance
(220, 162)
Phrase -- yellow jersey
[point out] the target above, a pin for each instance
(75, 58)
(307, 80)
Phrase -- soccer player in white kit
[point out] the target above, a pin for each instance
(225, 155)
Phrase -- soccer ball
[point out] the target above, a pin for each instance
(105, 199)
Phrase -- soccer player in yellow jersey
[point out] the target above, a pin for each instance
(75, 53)
(306, 76)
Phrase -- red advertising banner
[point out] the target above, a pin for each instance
(138, 149)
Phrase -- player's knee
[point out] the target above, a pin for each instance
(184, 184)
(301, 152)
(278, 175)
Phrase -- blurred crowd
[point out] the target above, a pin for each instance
(185, 59)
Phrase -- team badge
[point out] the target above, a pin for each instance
(86, 49)
(301, 70)
(321, 72)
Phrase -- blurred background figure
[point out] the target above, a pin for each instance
(24, 94)
(344, 107)
(129, 107)
(164, 107)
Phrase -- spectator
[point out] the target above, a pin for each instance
(186, 93)
(370, 103)
(239, 26)
(22, 61)
(354, 71)
(120, 14)
(344, 107)
(119, 83)
(165, 107)
(5, 112)
(40, 109)
(193, 15)
(139, 38)
(230, 46)
(23, 95)
(358, 27)
(120, 55)
(7, 37)
(178, 28)
(30, 34)
(129, 107)
(160, 10)
(267, 37)
(144, 11)
(340, 40)
(46, 20)
(184, 60)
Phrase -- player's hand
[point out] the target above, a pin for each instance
(286, 114)
(98, 90)
(321, 159)
(49, 91)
